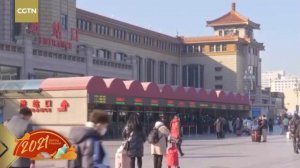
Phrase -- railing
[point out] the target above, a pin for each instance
(58, 55)
(10, 47)
(111, 63)
(190, 129)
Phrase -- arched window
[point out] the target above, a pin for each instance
(103, 53)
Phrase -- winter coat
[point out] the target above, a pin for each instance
(238, 124)
(18, 127)
(219, 125)
(136, 140)
(85, 138)
(160, 148)
(175, 128)
(293, 125)
(264, 124)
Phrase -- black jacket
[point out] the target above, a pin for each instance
(136, 142)
(264, 124)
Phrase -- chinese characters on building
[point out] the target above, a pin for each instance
(56, 39)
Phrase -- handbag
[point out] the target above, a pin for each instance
(126, 144)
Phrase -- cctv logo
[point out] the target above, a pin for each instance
(26, 11)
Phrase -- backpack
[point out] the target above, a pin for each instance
(153, 137)
(293, 127)
(77, 163)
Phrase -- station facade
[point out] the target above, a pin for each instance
(69, 41)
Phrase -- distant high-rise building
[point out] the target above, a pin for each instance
(278, 81)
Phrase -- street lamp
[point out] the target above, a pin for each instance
(297, 91)
(249, 78)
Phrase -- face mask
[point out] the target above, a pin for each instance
(103, 131)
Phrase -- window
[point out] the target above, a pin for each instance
(224, 47)
(121, 57)
(218, 48)
(42, 74)
(212, 48)
(218, 69)
(218, 87)
(193, 75)
(218, 77)
(174, 75)
(64, 21)
(220, 33)
(102, 53)
(163, 72)
(139, 68)
(9, 73)
(150, 69)
(101, 29)
(228, 32)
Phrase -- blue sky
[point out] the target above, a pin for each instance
(279, 19)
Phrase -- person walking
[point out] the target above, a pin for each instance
(86, 140)
(285, 123)
(218, 126)
(294, 128)
(230, 126)
(271, 124)
(158, 150)
(264, 127)
(238, 126)
(19, 125)
(175, 131)
(134, 134)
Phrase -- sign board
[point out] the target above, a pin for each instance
(256, 111)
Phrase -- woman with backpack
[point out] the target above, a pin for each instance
(159, 147)
(134, 134)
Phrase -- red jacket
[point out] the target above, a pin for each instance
(175, 130)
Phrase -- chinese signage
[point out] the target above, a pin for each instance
(36, 105)
(44, 106)
(120, 100)
(138, 101)
(63, 106)
(56, 39)
(154, 102)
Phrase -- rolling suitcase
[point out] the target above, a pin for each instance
(255, 136)
(238, 132)
(121, 158)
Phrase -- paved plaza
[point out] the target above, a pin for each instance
(206, 151)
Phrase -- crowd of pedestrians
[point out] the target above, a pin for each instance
(165, 140)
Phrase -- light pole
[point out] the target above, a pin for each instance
(249, 78)
(297, 91)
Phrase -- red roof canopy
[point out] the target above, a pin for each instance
(222, 97)
(151, 90)
(191, 94)
(166, 91)
(134, 88)
(203, 95)
(180, 93)
(213, 96)
(115, 87)
(93, 84)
